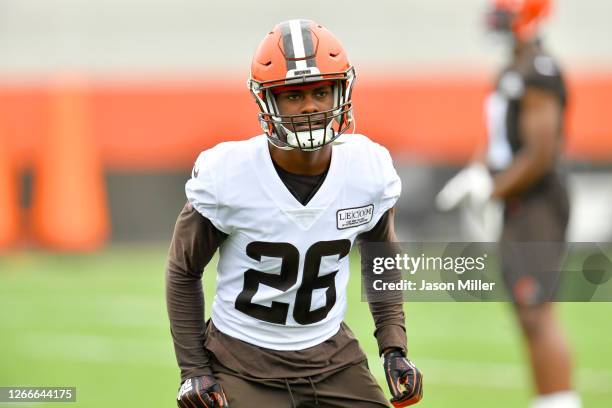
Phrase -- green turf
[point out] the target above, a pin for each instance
(98, 322)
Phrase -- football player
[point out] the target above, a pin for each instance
(525, 126)
(284, 210)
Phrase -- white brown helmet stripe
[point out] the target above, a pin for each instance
(298, 44)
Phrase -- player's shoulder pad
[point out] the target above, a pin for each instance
(365, 146)
(545, 65)
(219, 157)
(372, 160)
(205, 190)
(539, 63)
(540, 70)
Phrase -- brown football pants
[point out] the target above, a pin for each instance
(540, 221)
(352, 386)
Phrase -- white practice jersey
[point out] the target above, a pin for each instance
(284, 267)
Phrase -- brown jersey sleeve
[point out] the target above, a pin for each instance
(194, 243)
(389, 320)
(542, 71)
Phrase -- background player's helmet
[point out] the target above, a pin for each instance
(300, 53)
(521, 17)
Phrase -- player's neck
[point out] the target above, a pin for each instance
(523, 47)
(301, 162)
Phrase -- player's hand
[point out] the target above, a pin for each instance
(472, 186)
(404, 379)
(201, 392)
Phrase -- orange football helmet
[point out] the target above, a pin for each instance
(300, 53)
(521, 17)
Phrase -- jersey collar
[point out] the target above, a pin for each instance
(278, 192)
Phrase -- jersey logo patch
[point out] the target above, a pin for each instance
(354, 217)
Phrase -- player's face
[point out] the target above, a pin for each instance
(306, 101)
(499, 27)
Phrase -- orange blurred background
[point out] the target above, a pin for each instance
(102, 153)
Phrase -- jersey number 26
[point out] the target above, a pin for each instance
(290, 256)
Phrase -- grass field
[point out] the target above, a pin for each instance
(98, 322)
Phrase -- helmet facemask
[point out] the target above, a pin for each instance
(305, 131)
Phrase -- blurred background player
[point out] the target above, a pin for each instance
(284, 208)
(525, 117)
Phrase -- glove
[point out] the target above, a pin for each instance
(201, 392)
(473, 186)
(401, 373)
